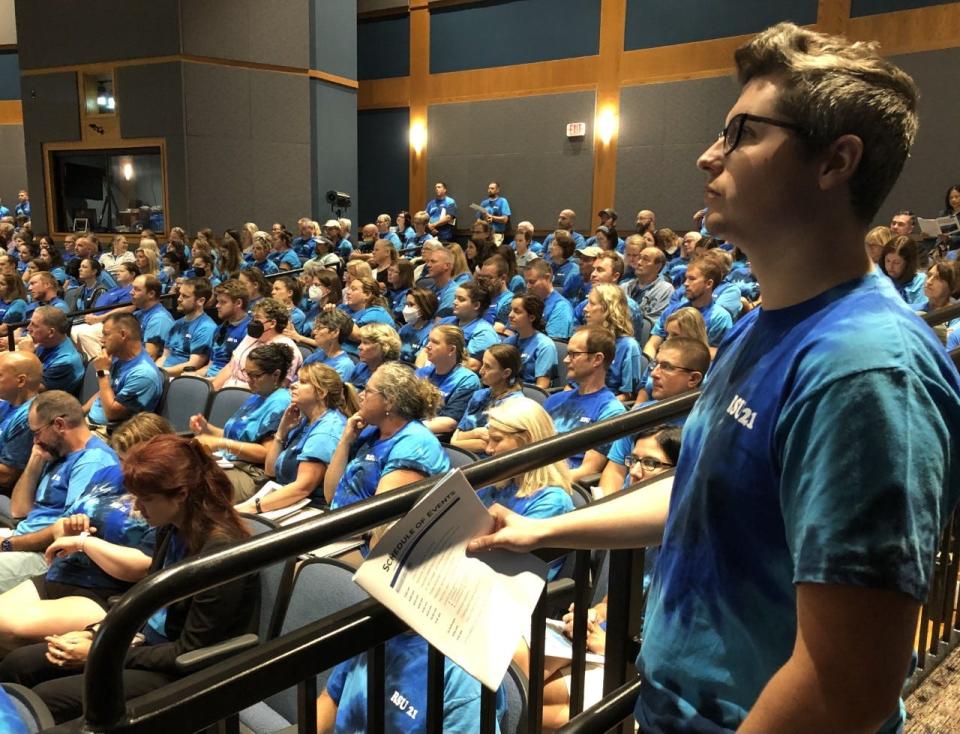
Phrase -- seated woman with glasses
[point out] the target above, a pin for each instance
(379, 343)
(300, 451)
(607, 307)
(385, 444)
(248, 434)
(538, 352)
(268, 320)
(446, 350)
(470, 303)
(330, 329)
(644, 455)
(539, 493)
(500, 373)
(180, 490)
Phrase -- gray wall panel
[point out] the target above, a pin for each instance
(281, 183)
(279, 109)
(134, 29)
(522, 144)
(151, 100)
(177, 203)
(217, 101)
(13, 164)
(663, 128)
(50, 113)
(333, 122)
(383, 161)
(332, 47)
(262, 31)
(219, 182)
(932, 165)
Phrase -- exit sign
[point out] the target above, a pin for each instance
(576, 129)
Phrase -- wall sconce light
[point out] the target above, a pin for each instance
(418, 136)
(607, 124)
(127, 171)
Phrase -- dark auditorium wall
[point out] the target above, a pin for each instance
(13, 164)
(519, 142)
(334, 160)
(384, 157)
(383, 47)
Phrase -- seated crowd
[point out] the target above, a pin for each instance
(361, 366)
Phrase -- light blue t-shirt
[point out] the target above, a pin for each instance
(774, 487)
(571, 410)
(445, 298)
(456, 387)
(435, 208)
(405, 692)
(370, 315)
(545, 502)
(287, 257)
(155, 325)
(257, 418)
(623, 376)
(480, 403)
(10, 721)
(413, 447)
(16, 438)
(538, 356)
(62, 367)
(137, 385)
(360, 375)
(63, 482)
(558, 316)
(314, 442)
(716, 318)
(13, 312)
(341, 363)
(478, 334)
(496, 207)
(188, 337)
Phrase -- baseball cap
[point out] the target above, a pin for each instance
(608, 212)
(332, 223)
(591, 251)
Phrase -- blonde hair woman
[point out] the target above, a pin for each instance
(539, 493)
(607, 307)
(461, 271)
(379, 343)
(875, 240)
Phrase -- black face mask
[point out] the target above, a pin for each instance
(200, 272)
(255, 329)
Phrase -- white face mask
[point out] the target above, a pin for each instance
(168, 269)
(410, 314)
(317, 292)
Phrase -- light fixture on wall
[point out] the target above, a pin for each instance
(418, 136)
(127, 170)
(607, 124)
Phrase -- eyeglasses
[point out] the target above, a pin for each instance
(573, 354)
(39, 430)
(667, 367)
(734, 129)
(366, 390)
(648, 463)
(255, 375)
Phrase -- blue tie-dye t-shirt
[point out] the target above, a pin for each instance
(820, 452)
(570, 409)
(405, 692)
(10, 721)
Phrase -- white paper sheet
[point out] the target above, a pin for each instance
(558, 645)
(282, 512)
(473, 608)
(939, 226)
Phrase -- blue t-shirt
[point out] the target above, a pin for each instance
(567, 279)
(188, 337)
(225, 340)
(16, 438)
(437, 207)
(120, 294)
(397, 300)
(62, 367)
(360, 375)
(370, 315)
(545, 502)
(478, 334)
(538, 356)
(774, 489)
(155, 630)
(413, 339)
(287, 257)
(314, 442)
(912, 290)
(257, 418)
(445, 297)
(623, 376)
(413, 447)
(34, 305)
(266, 266)
(558, 316)
(13, 312)
(405, 692)
(63, 482)
(456, 387)
(571, 410)
(137, 386)
(480, 403)
(155, 325)
(111, 512)
(499, 310)
(498, 207)
(10, 721)
(341, 363)
(578, 242)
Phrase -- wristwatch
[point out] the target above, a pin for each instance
(6, 546)
(256, 502)
(103, 373)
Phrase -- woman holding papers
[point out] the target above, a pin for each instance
(384, 444)
(951, 208)
(300, 451)
(543, 492)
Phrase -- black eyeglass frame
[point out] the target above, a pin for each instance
(738, 121)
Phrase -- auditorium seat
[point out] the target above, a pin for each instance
(186, 396)
(30, 708)
(225, 403)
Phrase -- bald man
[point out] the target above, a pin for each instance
(21, 374)
(566, 219)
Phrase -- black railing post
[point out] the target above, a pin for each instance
(435, 682)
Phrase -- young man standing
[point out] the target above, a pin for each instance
(793, 559)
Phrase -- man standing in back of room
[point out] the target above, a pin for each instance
(496, 211)
(443, 214)
(794, 561)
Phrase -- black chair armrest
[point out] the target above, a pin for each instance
(204, 656)
(589, 480)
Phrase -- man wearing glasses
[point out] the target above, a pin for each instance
(65, 458)
(794, 557)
